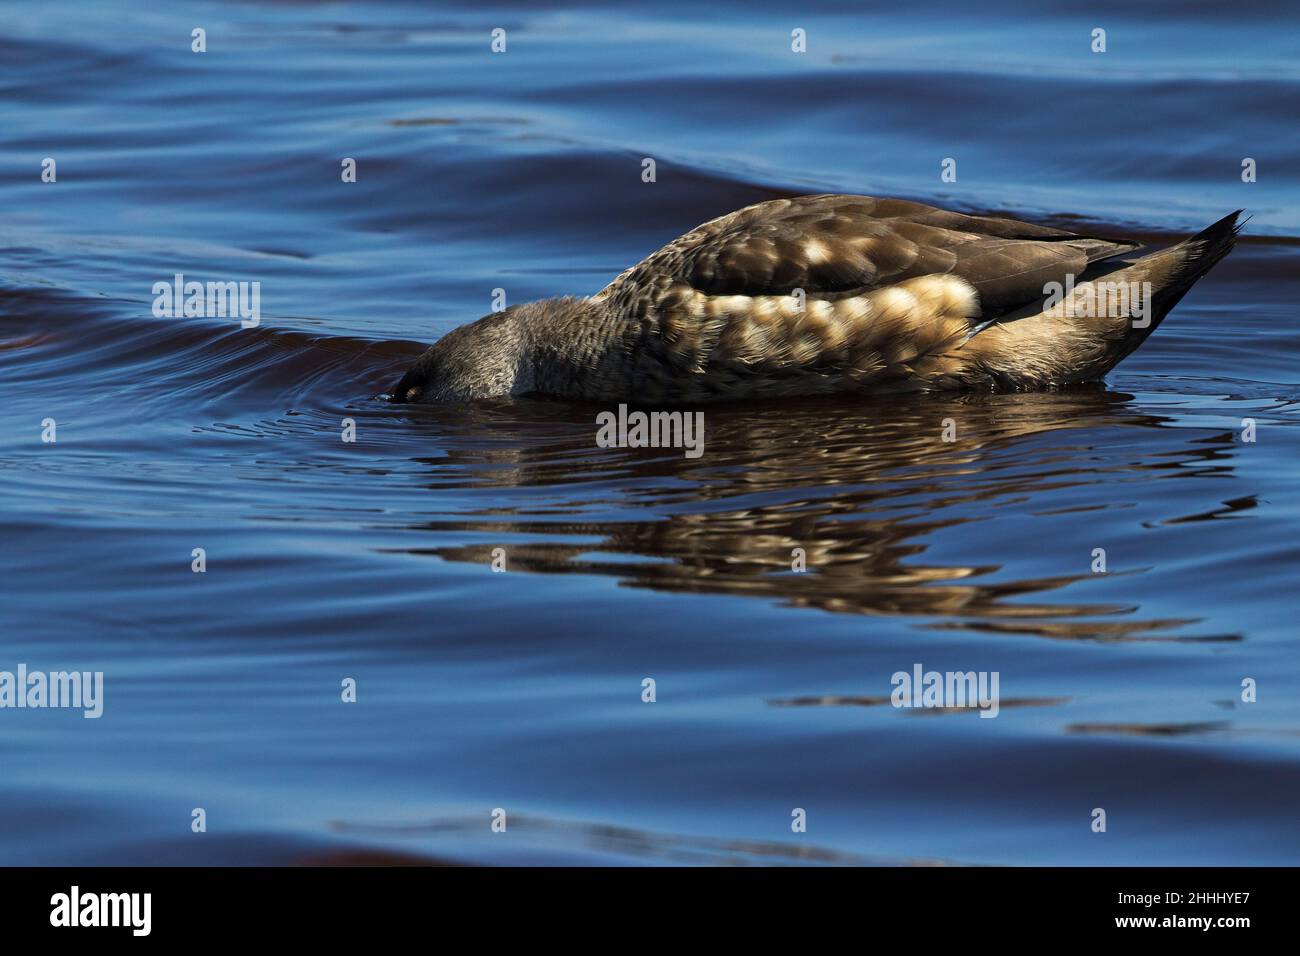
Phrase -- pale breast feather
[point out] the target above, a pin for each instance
(837, 282)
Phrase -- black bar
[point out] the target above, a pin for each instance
(977, 905)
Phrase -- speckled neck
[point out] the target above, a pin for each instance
(575, 348)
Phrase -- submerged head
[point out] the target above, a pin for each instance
(479, 360)
(505, 353)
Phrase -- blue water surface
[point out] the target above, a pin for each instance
(522, 691)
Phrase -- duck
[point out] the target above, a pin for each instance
(830, 294)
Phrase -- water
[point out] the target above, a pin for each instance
(521, 690)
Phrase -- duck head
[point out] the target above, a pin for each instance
(483, 359)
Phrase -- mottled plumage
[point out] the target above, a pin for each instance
(825, 294)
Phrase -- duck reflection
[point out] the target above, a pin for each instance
(851, 492)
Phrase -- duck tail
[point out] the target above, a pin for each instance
(1083, 333)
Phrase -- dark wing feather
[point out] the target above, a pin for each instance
(837, 246)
